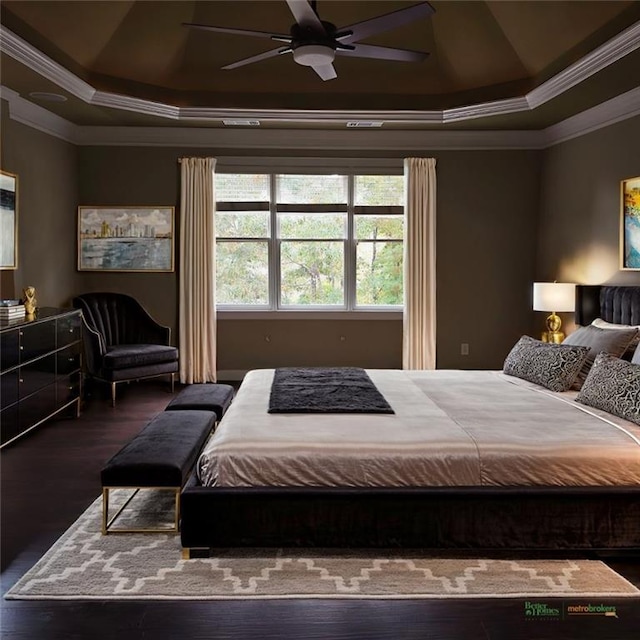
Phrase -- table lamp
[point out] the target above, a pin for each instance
(553, 297)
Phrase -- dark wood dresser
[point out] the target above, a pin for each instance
(40, 369)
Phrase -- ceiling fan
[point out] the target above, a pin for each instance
(315, 42)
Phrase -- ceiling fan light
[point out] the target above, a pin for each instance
(312, 55)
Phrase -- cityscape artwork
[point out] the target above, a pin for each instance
(125, 238)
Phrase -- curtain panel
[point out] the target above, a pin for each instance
(197, 304)
(419, 319)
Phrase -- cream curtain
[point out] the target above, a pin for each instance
(197, 271)
(419, 329)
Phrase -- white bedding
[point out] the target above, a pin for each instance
(450, 428)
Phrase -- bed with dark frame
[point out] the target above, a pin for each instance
(537, 517)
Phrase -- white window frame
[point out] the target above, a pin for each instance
(350, 309)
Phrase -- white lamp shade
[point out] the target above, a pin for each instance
(554, 296)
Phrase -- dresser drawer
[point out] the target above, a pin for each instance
(9, 388)
(68, 388)
(9, 349)
(36, 340)
(37, 407)
(37, 374)
(68, 329)
(9, 425)
(68, 359)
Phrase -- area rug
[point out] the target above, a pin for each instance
(83, 565)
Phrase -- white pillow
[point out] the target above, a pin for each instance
(603, 324)
(632, 349)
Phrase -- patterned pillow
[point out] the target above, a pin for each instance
(613, 385)
(554, 366)
(607, 340)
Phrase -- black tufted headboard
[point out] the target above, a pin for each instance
(612, 303)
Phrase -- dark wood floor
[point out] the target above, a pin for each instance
(50, 476)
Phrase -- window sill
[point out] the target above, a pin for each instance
(304, 314)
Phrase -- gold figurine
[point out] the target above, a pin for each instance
(30, 302)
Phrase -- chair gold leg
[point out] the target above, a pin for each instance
(173, 382)
(113, 394)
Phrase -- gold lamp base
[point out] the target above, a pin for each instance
(553, 333)
(553, 336)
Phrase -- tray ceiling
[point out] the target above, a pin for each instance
(123, 56)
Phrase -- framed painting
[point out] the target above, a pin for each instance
(8, 220)
(125, 239)
(630, 224)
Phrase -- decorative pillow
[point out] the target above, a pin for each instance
(613, 385)
(612, 342)
(554, 366)
(603, 324)
(636, 356)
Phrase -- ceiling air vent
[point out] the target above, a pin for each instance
(364, 124)
(241, 123)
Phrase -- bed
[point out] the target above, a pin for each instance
(468, 460)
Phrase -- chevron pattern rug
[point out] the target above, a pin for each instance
(83, 564)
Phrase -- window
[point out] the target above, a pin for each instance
(309, 241)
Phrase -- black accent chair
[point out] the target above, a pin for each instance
(122, 342)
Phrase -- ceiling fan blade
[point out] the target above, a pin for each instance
(261, 56)
(383, 53)
(305, 16)
(387, 22)
(238, 32)
(325, 71)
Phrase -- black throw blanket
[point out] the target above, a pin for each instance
(320, 390)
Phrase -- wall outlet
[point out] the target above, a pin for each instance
(464, 348)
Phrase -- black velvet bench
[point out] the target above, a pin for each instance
(205, 397)
(159, 457)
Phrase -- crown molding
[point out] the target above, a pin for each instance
(137, 105)
(622, 107)
(486, 109)
(594, 62)
(36, 117)
(23, 52)
(615, 110)
(311, 116)
(608, 53)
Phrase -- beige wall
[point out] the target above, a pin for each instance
(47, 170)
(487, 224)
(579, 234)
(487, 218)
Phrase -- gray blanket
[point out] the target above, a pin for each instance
(325, 390)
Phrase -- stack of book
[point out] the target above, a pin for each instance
(11, 312)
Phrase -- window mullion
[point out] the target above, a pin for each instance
(350, 250)
(274, 247)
